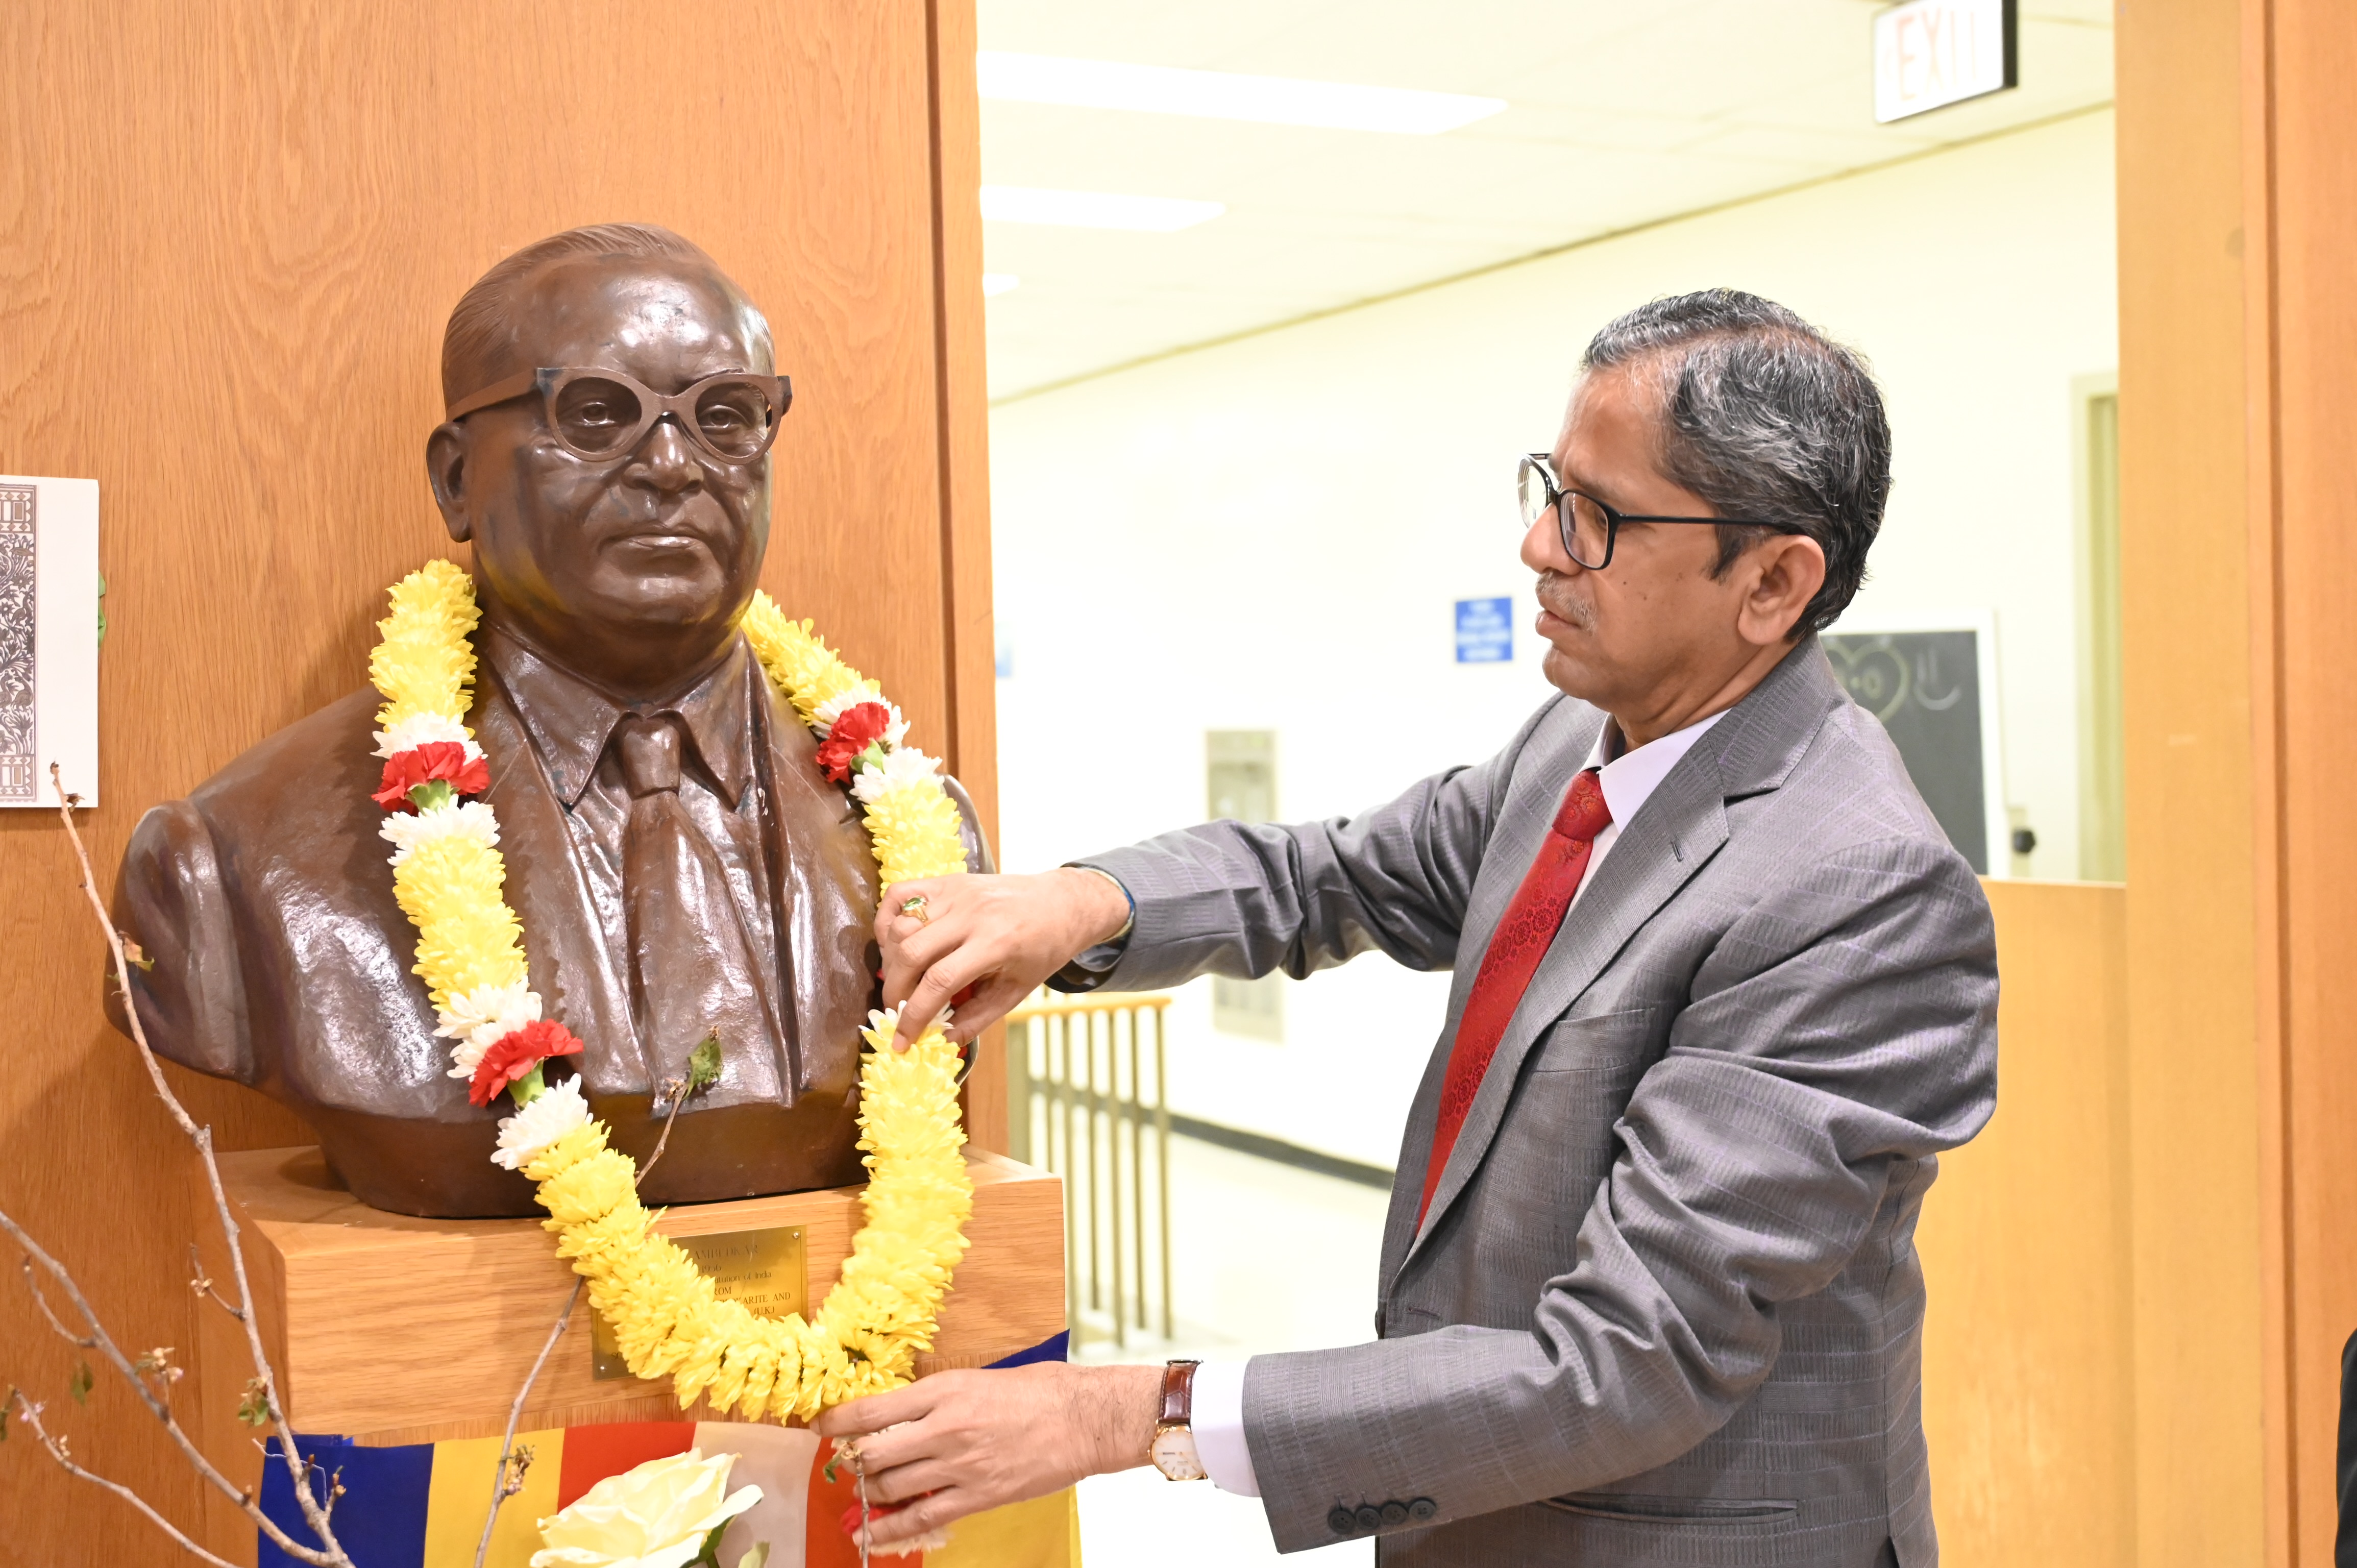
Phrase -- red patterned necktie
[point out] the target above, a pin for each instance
(1523, 935)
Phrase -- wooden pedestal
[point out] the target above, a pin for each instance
(392, 1329)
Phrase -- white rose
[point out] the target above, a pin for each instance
(655, 1516)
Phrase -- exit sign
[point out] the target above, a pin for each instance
(1929, 54)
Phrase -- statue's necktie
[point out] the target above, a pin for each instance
(1520, 940)
(692, 973)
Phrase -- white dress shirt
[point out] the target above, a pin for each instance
(1628, 779)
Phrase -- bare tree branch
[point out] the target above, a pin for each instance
(203, 1286)
(501, 1488)
(676, 1088)
(55, 1447)
(33, 1283)
(330, 1554)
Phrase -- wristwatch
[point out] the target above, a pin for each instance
(1173, 1449)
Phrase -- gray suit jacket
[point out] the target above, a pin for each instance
(1665, 1308)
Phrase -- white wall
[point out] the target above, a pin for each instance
(1270, 535)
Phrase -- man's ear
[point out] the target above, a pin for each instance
(1786, 571)
(445, 471)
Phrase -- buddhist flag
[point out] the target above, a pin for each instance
(422, 1505)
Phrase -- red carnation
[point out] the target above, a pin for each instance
(447, 759)
(859, 727)
(514, 1054)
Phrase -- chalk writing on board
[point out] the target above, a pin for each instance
(1925, 688)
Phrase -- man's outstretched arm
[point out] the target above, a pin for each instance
(1223, 898)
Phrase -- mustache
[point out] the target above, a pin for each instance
(1556, 598)
(695, 515)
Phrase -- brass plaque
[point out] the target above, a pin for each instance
(766, 1270)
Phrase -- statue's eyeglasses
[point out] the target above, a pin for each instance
(599, 414)
(1589, 528)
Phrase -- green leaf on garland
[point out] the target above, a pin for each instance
(703, 1063)
(432, 793)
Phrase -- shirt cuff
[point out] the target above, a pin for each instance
(1088, 970)
(1218, 1423)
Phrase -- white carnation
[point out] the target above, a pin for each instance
(902, 768)
(418, 728)
(477, 1017)
(471, 819)
(823, 718)
(553, 1113)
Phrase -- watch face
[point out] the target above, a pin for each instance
(1174, 1454)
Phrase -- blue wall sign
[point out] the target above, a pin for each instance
(1485, 631)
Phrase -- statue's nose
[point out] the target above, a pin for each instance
(665, 458)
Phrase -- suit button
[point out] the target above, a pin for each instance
(1370, 1518)
(1342, 1521)
(1422, 1509)
(1395, 1514)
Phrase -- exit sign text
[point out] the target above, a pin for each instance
(1929, 54)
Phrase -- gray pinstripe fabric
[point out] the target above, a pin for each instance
(1665, 1309)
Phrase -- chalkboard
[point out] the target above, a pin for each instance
(1925, 687)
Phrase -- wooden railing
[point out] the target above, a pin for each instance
(1085, 1099)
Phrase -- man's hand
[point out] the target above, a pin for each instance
(962, 1442)
(988, 941)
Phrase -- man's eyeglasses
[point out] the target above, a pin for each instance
(601, 413)
(1589, 528)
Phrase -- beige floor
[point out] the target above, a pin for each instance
(1264, 1258)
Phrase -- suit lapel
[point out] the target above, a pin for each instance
(825, 898)
(1542, 771)
(1676, 832)
(1674, 837)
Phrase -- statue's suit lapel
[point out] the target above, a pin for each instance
(824, 898)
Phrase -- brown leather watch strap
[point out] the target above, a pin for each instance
(1178, 1394)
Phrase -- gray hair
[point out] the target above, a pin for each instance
(1764, 416)
(482, 328)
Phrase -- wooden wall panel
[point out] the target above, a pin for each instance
(2237, 411)
(2303, 204)
(229, 231)
(964, 399)
(2196, 1096)
(2028, 1370)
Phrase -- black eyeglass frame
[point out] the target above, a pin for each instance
(549, 382)
(1543, 465)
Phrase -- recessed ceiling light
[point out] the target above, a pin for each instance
(999, 283)
(1093, 208)
(1226, 95)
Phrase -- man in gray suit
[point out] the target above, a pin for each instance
(1649, 1291)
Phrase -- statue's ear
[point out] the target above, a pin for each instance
(445, 471)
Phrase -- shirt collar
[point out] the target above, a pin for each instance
(1629, 778)
(570, 720)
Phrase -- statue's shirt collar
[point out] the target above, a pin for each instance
(570, 719)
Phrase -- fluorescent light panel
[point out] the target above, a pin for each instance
(999, 283)
(1226, 95)
(1093, 208)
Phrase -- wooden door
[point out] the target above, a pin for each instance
(229, 231)
(2238, 420)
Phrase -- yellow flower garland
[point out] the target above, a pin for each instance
(449, 878)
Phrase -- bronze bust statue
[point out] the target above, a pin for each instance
(680, 862)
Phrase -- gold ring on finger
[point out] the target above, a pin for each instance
(915, 906)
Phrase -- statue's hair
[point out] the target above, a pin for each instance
(481, 331)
